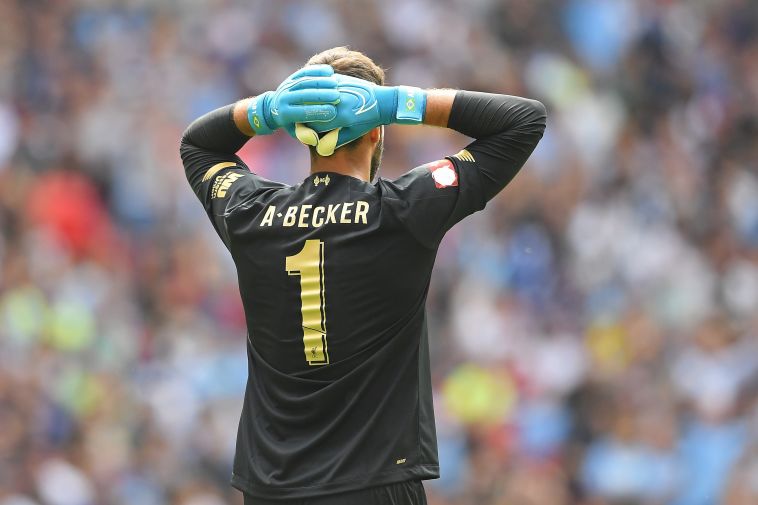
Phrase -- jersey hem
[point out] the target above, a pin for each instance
(417, 472)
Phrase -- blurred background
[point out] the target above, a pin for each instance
(594, 330)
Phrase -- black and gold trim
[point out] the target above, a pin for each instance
(464, 155)
(217, 168)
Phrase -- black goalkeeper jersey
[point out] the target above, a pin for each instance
(334, 274)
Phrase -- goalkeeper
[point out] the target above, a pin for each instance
(334, 272)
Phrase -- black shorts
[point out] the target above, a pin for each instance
(400, 493)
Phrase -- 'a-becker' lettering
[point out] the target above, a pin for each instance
(310, 216)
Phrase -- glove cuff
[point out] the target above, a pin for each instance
(411, 105)
(257, 113)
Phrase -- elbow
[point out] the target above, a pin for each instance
(537, 115)
(186, 145)
(183, 144)
(537, 107)
(186, 138)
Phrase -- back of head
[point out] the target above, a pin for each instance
(348, 62)
(352, 63)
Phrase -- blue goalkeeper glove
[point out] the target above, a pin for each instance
(363, 105)
(309, 95)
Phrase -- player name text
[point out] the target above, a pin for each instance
(310, 216)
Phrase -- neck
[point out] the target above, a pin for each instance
(342, 163)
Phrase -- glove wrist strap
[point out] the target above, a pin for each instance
(411, 105)
(256, 114)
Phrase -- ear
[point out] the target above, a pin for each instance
(375, 134)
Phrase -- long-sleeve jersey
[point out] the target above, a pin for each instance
(334, 273)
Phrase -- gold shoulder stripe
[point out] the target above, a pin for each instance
(215, 168)
(464, 155)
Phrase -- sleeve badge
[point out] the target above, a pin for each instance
(443, 173)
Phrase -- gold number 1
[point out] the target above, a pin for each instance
(309, 265)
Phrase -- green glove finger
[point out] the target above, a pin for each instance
(306, 135)
(325, 145)
(328, 143)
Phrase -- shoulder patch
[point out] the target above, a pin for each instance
(443, 173)
(215, 169)
(464, 155)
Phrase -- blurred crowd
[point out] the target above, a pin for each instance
(594, 331)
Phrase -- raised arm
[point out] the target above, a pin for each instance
(506, 128)
(307, 95)
(217, 131)
(439, 194)
(224, 130)
(209, 144)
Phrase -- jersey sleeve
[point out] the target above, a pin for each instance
(221, 181)
(431, 198)
(435, 196)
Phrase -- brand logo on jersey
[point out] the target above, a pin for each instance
(222, 184)
(317, 180)
(217, 168)
(443, 173)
